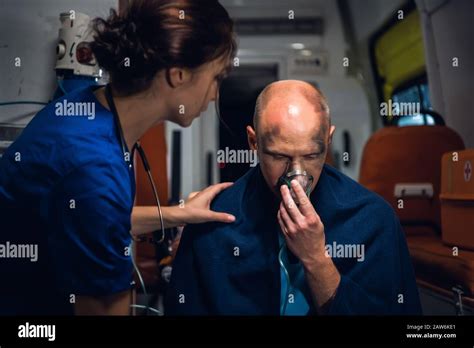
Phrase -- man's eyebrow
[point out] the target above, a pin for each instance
(320, 142)
(275, 153)
(320, 137)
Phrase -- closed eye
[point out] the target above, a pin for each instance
(279, 157)
(314, 156)
(276, 156)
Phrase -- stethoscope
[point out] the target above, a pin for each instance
(157, 239)
(110, 100)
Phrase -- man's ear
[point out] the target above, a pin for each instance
(176, 77)
(331, 132)
(251, 138)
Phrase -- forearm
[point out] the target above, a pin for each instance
(323, 279)
(146, 219)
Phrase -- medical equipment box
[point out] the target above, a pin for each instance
(457, 199)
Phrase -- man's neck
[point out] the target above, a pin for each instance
(135, 114)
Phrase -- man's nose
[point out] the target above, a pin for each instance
(295, 165)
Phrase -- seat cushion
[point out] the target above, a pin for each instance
(435, 263)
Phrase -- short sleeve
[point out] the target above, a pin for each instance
(89, 239)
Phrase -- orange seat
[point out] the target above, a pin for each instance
(435, 263)
(398, 159)
(409, 155)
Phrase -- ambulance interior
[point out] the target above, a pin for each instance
(397, 75)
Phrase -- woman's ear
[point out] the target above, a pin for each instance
(177, 77)
(251, 138)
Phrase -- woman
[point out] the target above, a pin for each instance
(67, 184)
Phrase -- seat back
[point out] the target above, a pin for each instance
(403, 165)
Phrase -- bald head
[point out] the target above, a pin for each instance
(291, 92)
(292, 130)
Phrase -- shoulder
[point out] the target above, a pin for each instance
(349, 194)
(230, 200)
(353, 213)
(233, 201)
(67, 140)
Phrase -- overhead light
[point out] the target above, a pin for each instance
(297, 46)
(306, 53)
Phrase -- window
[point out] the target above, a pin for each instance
(416, 92)
(398, 63)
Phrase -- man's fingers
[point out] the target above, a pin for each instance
(305, 206)
(290, 204)
(286, 219)
(282, 225)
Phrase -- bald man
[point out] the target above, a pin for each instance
(307, 239)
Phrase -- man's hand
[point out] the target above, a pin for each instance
(304, 235)
(301, 225)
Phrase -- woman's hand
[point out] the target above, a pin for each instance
(194, 210)
(197, 208)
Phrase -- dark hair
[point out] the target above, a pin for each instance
(160, 34)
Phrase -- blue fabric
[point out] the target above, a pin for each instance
(295, 295)
(71, 193)
(233, 269)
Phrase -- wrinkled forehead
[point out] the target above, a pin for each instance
(287, 139)
(292, 122)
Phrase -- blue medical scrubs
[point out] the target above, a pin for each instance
(234, 269)
(66, 188)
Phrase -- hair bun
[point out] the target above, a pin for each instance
(118, 47)
(149, 36)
